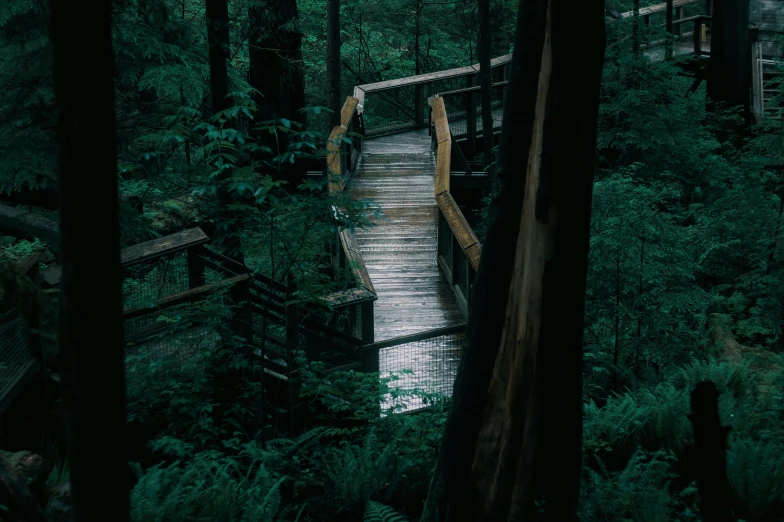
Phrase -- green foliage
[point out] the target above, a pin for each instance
(375, 512)
(208, 488)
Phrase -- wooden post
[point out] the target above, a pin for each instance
(471, 118)
(292, 347)
(697, 36)
(679, 16)
(196, 277)
(419, 104)
(369, 357)
(241, 315)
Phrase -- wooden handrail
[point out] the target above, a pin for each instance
(146, 251)
(652, 9)
(454, 216)
(182, 297)
(421, 336)
(428, 77)
(476, 88)
(346, 238)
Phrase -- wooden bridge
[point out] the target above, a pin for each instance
(407, 144)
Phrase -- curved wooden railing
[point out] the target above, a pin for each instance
(343, 148)
(459, 249)
(400, 104)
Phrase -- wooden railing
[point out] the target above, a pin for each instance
(343, 149)
(459, 249)
(400, 104)
(20, 350)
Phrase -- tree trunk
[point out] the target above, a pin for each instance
(485, 80)
(91, 340)
(276, 71)
(523, 350)
(636, 28)
(218, 38)
(668, 50)
(710, 445)
(729, 66)
(333, 61)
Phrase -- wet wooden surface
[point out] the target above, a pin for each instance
(398, 173)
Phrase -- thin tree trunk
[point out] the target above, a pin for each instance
(333, 60)
(524, 337)
(617, 345)
(636, 28)
(668, 50)
(639, 307)
(276, 71)
(485, 80)
(91, 339)
(218, 38)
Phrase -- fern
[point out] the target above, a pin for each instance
(375, 512)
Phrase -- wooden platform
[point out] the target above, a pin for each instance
(398, 173)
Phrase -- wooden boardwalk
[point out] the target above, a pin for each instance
(398, 173)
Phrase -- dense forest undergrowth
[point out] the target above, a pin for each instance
(685, 278)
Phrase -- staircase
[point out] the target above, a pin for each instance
(398, 173)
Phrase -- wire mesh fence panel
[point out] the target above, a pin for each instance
(146, 283)
(389, 110)
(176, 342)
(16, 356)
(428, 366)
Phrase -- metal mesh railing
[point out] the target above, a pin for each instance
(427, 365)
(460, 104)
(403, 105)
(179, 345)
(16, 356)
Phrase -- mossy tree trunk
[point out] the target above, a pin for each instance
(91, 340)
(516, 417)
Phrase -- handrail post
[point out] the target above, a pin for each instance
(369, 357)
(697, 36)
(292, 348)
(678, 16)
(196, 276)
(419, 104)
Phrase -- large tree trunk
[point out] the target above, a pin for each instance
(218, 39)
(91, 341)
(525, 344)
(333, 61)
(276, 70)
(491, 286)
(485, 80)
(729, 66)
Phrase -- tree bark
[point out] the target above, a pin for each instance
(710, 444)
(485, 80)
(519, 382)
(218, 39)
(729, 65)
(91, 340)
(333, 61)
(276, 70)
(668, 50)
